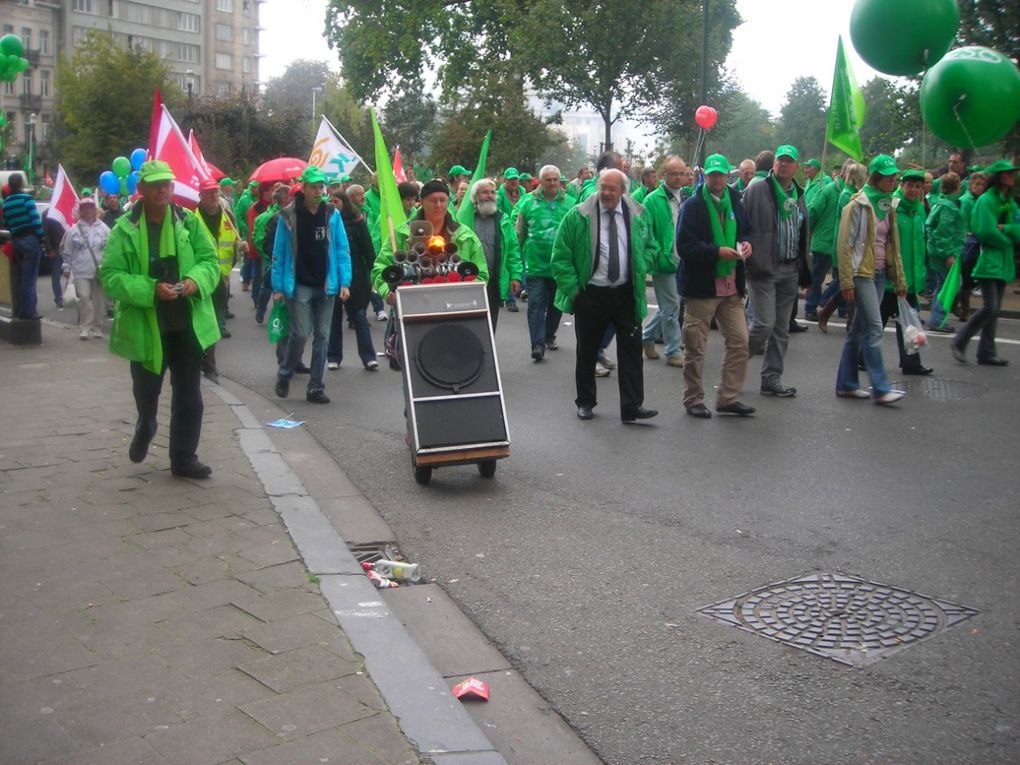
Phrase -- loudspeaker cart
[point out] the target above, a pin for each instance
(456, 412)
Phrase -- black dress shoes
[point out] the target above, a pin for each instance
(139, 447)
(796, 327)
(317, 397)
(993, 361)
(301, 369)
(639, 414)
(584, 413)
(918, 370)
(700, 411)
(282, 387)
(736, 408)
(194, 470)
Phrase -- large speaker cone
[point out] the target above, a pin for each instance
(450, 356)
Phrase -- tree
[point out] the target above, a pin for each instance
(804, 116)
(617, 56)
(745, 128)
(104, 102)
(409, 122)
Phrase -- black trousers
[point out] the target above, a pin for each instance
(493, 302)
(595, 310)
(182, 355)
(890, 309)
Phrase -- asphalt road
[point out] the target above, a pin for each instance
(587, 557)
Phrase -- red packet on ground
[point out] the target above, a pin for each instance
(472, 688)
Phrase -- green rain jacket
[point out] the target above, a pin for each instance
(822, 217)
(945, 232)
(996, 259)
(910, 219)
(468, 247)
(135, 334)
(574, 248)
(504, 203)
(663, 232)
(244, 201)
(258, 236)
(537, 222)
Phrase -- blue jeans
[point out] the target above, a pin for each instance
(56, 264)
(311, 310)
(27, 254)
(265, 291)
(666, 320)
(820, 266)
(255, 275)
(246, 269)
(357, 316)
(543, 316)
(864, 340)
(833, 292)
(938, 314)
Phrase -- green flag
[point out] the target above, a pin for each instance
(949, 290)
(391, 212)
(466, 211)
(846, 109)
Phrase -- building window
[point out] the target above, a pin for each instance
(44, 83)
(247, 64)
(26, 38)
(187, 52)
(223, 88)
(26, 82)
(246, 36)
(224, 61)
(227, 6)
(188, 22)
(224, 32)
(84, 6)
(246, 7)
(8, 29)
(8, 89)
(44, 42)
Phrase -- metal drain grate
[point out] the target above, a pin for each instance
(939, 389)
(373, 551)
(839, 617)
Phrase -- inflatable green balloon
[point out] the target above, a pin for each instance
(11, 45)
(971, 97)
(121, 167)
(903, 38)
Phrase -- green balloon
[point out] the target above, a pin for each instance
(903, 38)
(971, 97)
(22, 64)
(12, 46)
(121, 167)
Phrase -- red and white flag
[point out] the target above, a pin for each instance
(398, 167)
(64, 202)
(169, 145)
(197, 151)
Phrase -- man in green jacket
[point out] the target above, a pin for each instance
(599, 262)
(663, 208)
(994, 223)
(538, 217)
(241, 206)
(496, 233)
(161, 268)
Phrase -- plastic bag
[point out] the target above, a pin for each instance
(279, 322)
(70, 293)
(914, 338)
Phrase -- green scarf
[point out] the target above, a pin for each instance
(783, 200)
(167, 249)
(723, 234)
(877, 198)
(1004, 210)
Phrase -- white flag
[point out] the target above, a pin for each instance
(332, 154)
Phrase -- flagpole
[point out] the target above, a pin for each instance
(348, 143)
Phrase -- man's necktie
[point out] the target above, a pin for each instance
(614, 249)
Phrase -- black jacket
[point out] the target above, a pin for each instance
(698, 254)
(362, 257)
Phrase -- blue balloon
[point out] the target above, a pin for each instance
(109, 182)
(137, 158)
(132, 182)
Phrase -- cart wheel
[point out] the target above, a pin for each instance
(423, 475)
(487, 468)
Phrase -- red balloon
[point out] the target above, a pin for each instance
(706, 117)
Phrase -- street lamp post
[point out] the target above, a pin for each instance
(30, 170)
(315, 91)
(189, 82)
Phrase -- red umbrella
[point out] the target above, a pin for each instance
(280, 169)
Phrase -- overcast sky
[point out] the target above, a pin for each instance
(779, 41)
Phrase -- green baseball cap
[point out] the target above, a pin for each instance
(975, 169)
(510, 173)
(883, 164)
(788, 151)
(227, 182)
(312, 174)
(345, 178)
(717, 163)
(813, 163)
(86, 191)
(1001, 166)
(253, 185)
(154, 171)
(913, 174)
(525, 176)
(459, 170)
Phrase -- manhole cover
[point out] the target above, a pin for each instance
(938, 389)
(840, 617)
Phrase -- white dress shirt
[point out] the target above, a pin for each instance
(601, 276)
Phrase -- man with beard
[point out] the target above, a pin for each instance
(499, 244)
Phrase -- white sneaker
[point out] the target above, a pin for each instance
(373, 364)
(891, 397)
(605, 361)
(96, 332)
(333, 365)
(381, 316)
(601, 371)
(84, 334)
